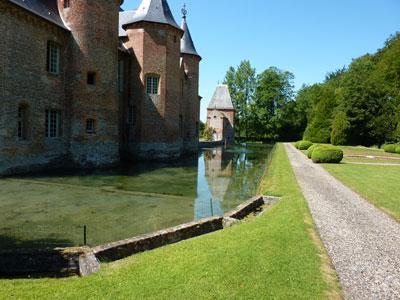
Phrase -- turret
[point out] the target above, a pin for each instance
(154, 38)
(91, 87)
(191, 102)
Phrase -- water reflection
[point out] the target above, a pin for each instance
(127, 201)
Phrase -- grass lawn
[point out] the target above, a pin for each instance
(275, 256)
(379, 184)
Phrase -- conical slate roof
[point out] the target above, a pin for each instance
(187, 45)
(155, 11)
(221, 99)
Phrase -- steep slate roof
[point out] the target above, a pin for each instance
(46, 9)
(187, 45)
(221, 99)
(155, 11)
(125, 17)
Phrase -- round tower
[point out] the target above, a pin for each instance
(191, 64)
(91, 89)
(154, 37)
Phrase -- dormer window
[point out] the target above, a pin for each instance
(67, 3)
(152, 83)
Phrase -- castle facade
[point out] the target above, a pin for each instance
(84, 83)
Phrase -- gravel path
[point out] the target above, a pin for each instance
(362, 241)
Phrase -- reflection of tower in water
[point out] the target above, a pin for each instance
(215, 171)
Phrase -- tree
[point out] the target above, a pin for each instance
(207, 134)
(273, 93)
(340, 127)
(242, 83)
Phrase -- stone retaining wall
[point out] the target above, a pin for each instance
(85, 261)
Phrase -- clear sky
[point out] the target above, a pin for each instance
(306, 37)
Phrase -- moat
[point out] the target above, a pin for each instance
(51, 210)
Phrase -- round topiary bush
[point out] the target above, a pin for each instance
(297, 144)
(327, 154)
(304, 145)
(311, 149)
(390, 148)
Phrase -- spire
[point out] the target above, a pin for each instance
(155, 11)
(187, 45)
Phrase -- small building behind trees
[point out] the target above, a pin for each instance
(221, 115)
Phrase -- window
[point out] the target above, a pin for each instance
(91, 126)
(91, 78)
(67, 3)
(152, 85)
(132, 115)
(53, 123)
(121, 75)
(23, 122)
(53, 57)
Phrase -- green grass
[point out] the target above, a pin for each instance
(275, 256)
(379, 184)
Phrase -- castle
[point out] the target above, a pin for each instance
(221, 115)
(84, 83)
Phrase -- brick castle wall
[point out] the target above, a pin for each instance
(25, 81)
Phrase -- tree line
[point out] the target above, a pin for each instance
(354, 105)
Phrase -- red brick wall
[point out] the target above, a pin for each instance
(191, 101)
(24, 80)
(93, 48)
(156, 49)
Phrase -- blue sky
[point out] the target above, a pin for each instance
(306, 37)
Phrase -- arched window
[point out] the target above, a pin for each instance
(23, 119)
(152, 84)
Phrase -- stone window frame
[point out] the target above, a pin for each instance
(53, 57)
(152, 84)
(53, 123)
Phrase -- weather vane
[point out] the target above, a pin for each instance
(184, 11)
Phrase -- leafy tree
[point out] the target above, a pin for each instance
(207, 134)
(340, 127)
(242, 84)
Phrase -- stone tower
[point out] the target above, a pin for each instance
(190, 85)
(221, 115)
(154, 38)
(91, 81)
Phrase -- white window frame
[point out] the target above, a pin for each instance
(152, 85)
(53, 123)
(53, 56)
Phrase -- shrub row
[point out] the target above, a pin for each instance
(303, 145)
(392, 148)
(326, 154)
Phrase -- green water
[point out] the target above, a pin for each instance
(51, 210)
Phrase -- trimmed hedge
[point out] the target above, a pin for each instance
(304, 145)
(327, 154)
(398, 149)
(297, 144)
(390, 148)
(311, 149)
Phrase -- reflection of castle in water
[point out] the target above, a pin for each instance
(215, 173)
